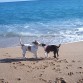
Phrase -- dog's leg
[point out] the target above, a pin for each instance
(24, 55)
(57, 54)
(24, 52)
(46, 54)
(35, 54)
(54, 54)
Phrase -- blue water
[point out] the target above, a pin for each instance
(48, 21)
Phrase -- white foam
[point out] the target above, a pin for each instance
(49, 32)
(80, 29)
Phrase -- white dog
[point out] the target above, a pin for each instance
(29, 47)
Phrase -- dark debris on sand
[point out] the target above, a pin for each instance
(60, 80)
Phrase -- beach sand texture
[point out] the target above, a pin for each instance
(69, 66)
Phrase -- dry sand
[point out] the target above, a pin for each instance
(69, 66)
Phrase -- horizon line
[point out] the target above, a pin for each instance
(17, 1)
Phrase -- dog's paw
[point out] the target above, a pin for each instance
(23, 57)
(54, 56)
(46, 57)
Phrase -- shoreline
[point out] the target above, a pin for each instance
(8, 42)
(69, 66)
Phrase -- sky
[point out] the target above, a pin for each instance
(13, 0)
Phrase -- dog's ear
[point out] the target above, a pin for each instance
(35, 42)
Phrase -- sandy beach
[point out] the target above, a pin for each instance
(69, 66)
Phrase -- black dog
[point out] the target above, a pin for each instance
(51, 48)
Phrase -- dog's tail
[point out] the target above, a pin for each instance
(21, 42)
(59, 45)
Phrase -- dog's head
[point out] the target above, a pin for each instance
(36, 43)
(42, 44)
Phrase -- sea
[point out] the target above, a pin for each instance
(47, 21)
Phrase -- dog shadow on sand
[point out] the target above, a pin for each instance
(10, 60)
(17, 59)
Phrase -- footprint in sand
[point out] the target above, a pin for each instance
(57, 65)
(33, 63)
(28, 71)
(21, 64)
(13, 63)
(42, 79)
(18, 79)
(50, 81)
(70, 73)
(37, 67)
(3, 81)
(40, 75)
(52, 64)
(70, 65)
(66, 67)
(29, 66)
(15, 67)
(43, 67)
(79, 72)
(65, 61)
(16, 62)
(6, 53)
(80, 81)
(54, 69)
(79, 61)
(80, 68)
(57, 69)
(73, 61)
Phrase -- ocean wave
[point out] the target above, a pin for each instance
(75, 34)
(51, 32)
(63, 36)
